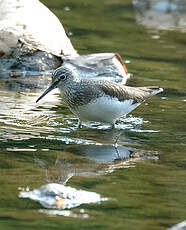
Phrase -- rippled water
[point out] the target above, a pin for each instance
(140, 165)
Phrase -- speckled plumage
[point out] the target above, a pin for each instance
(97, 100)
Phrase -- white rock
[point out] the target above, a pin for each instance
(34, 24)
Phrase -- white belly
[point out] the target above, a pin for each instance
(104, 109)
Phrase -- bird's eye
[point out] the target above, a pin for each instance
(57, 74)
(63, 77)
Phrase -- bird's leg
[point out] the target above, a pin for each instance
(113, 126)
(116, 146)
(79, 124)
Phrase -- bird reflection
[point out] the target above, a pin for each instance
(83, 160)
(91, 160)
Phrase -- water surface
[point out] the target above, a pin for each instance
(40, 143)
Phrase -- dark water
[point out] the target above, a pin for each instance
(40, 142)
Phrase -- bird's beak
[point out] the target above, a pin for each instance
(50, 88)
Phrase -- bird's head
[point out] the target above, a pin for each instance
(61, 77)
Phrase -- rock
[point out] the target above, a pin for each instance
(32, 39)
(34, 25)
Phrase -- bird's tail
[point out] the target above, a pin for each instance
(143, 93)
(152, 90)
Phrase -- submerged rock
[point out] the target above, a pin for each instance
(29, 64)
(179, 226)
(161, 14)
(58, 196)
(107, 66)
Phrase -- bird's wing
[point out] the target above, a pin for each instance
(122, 93)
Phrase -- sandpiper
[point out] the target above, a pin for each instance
(97, 100)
